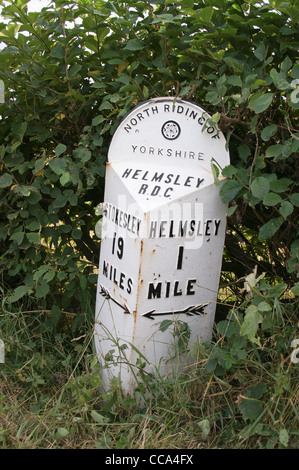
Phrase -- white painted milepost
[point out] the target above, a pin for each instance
(163, 232)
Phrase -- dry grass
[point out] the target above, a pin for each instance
(50, 398)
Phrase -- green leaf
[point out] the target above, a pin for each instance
(60, 201)
(215, 173)
(77, 234)
(264, 306)
(260, 52)
(284, 437)
(83, 154)
(259, 187)
(270, 228)
(259, 102)
(61, 433)
(164, 325)
(229, 171)
(251, 322)
(234, 80)
(279, 80)
(58, 52)
(33, 237)
(42, 289)
(274, 150)
(251, 408)
(134, 45)
(231, 210)
(65, 178)
(295, 289)
(268, 132)
(18, 237)
(294, 198)
(271, 199)
(19, 292)
(205, 427)
(256, 391)
(229, 190)
(5, 180)
(286, 209)
(206, 14)
(57, 165)
(281, 185)
(99, 418)
(61, 148)
(97, 120)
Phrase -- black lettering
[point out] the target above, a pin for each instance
(190, 286)
(168, 189)
(143, 188)
(105, 269)
(155, 191)
(199, 181)
(192, 227)
(217, 223)
(188, 180)
(135, 175)
(126, 173)
(177, 291)
(162, 228)
(121, 280)
(129, 285)
(125, 223)
(182, 230)
(176, 181)
(157, 177)
(168, 179)
(180, 258)
(167, 289)
(153, 229)
(114, 276)
(116, 216)
(207, 230)
(171, 234)
(154, 292)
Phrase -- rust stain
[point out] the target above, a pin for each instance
(141, 249)
(139, 276)
(134, 313)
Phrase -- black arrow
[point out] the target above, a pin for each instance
(105, 293)
(190, 311)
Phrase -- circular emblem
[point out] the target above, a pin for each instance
(171, 130)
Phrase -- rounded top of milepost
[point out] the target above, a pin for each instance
(169, 131)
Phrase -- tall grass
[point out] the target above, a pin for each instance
(234, 395)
